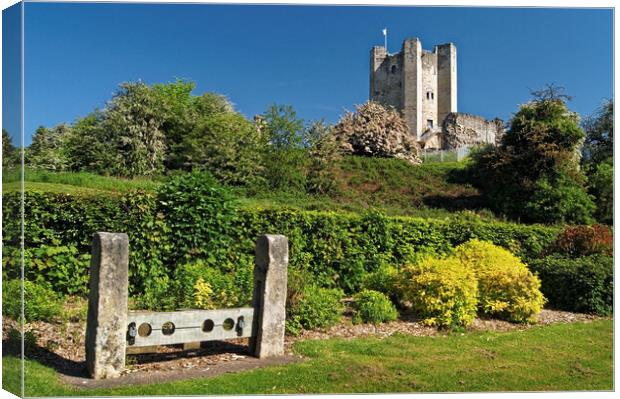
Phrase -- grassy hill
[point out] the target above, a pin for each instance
(390, 185)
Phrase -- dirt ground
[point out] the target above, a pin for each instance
(61, 346)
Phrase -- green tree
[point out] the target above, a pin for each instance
(599, 128)
(324, 153)
(181, 113)
(285, 157)
(89, 146)
(10, 154)
(135, 122)
(228, 146)
(537, 159)
(602, 187)
(284, 130)
(47, 148)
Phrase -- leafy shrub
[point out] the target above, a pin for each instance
(158, 294)
(40, 301)
(199, 212)
(285, 158)
(63, 267)
(442, 292)
(376, 131)
(323, 155)
(602, 187)
(202, 285)
(506, 287)
(384, 280)
(148, 241)
(577, 241)
(533, 174)
(315, 307)
(559, 200)
(373, 307)
(583, 284)
(228, 146)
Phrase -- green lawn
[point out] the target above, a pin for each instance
(576, 356)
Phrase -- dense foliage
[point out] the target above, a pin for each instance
(40, 300)
(581, 284)
(313, 307)
(373, 307)
(227, 145)
(599, 128)
(285, 157)
(577, 241)
(10, 154)
(376, 130)
(141, 131)
(507, 289)
(442, 291)
(534, 174)
(338, 249)
(601, 182)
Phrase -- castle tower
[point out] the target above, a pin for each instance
(446, 80)
(420, 84)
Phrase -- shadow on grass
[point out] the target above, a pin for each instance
(73, 368)
(62, 365)
(455, 203)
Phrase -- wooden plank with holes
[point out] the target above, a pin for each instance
(168, 328)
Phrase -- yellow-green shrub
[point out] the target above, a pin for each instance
(507, 289)
(442, 291)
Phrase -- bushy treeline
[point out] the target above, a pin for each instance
(537, 174)
(151, 130)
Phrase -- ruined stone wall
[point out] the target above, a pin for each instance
(460, 129)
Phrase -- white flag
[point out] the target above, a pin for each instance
(384, 31)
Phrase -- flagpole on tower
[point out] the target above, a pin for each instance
(385, 39)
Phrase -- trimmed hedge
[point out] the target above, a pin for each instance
(340, 250)
(584, 284)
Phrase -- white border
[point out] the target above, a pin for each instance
(471, 3)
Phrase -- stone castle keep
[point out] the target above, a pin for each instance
(422, 85)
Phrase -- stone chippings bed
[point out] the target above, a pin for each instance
(61, 346)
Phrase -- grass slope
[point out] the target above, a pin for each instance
(392, 186)
(79, 183)
(576, 356)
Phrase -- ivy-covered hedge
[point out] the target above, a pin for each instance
(338, 249)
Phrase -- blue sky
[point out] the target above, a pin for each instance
(314, 58)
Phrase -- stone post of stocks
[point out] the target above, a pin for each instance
(106, 327)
